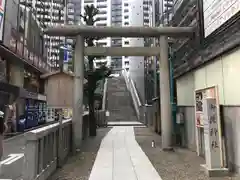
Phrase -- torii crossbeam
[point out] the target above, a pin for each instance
(83, 31)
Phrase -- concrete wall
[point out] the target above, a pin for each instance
(224, 73)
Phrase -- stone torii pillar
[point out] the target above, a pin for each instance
(165, 100)
(78, 92)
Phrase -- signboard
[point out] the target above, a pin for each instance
(212, 135)
(217, 12)
(65, 56)
(2, 9)
(207, 108)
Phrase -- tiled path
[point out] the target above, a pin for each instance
(121, 158)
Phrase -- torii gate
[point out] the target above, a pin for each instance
(83, 31)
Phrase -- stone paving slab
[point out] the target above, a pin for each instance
(129, 161)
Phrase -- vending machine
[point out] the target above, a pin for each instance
(41, 112)
(36, 113)
(31, 113)
(28, 114)
(44, 109)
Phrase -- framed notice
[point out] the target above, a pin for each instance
(207, 117)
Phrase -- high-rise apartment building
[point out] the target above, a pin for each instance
(116, 61)
(53, 13)
(137, 13)
(104, 16)
(77, 10)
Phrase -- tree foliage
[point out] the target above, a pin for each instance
(91, 74)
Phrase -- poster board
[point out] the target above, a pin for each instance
(207, 116)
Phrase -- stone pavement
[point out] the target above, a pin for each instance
(182, 164)
(125, 153)
(120, 157)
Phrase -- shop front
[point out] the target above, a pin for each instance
(30, 108)
(35, 109)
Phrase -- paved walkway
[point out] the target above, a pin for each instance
(124, 152)
(121, 158)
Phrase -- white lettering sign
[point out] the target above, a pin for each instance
(217, 12)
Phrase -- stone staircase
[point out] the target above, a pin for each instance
(119, 103)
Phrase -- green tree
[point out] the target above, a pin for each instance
(92, 75)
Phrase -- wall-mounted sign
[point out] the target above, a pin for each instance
(2, 9)
(217, 12)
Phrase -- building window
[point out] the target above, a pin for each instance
(102, 6)
(125, 4)
(126, 23)
(146, 20)
(126, 42)
(102, 12)
(101, 24)
(102, 18)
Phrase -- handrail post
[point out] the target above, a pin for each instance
(31, 159)
(60, 139)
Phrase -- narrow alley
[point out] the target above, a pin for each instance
(125, 151)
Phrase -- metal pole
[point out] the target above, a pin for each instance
(78, 92)
(166, 112)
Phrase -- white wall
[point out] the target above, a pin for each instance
(224, 73)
